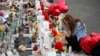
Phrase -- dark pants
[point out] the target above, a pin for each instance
(72, 41)
(96, 51)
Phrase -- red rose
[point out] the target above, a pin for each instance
(46, 16)
(35, 48)
(1, 13)
(50, 26)
(42, 5)
(54, 32)
(59, 46)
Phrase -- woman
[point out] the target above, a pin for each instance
(76, 30)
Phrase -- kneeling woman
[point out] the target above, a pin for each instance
(76, 30)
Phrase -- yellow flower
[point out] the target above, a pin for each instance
(36, 26)
(64, 48)
(55, 49)
(1, 28)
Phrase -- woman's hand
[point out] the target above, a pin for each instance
(66, 33)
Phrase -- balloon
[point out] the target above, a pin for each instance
(61, 2)
(88, 43)
(52, 7)
(85, 43)
(56, 12)
(62, 6)
(56, 8)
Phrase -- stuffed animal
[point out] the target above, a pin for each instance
(22, 48)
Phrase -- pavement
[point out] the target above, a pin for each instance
(88, 11)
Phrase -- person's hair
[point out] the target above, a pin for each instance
(71, 22)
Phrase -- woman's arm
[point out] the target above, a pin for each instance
(80, 30)
(67, 33)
